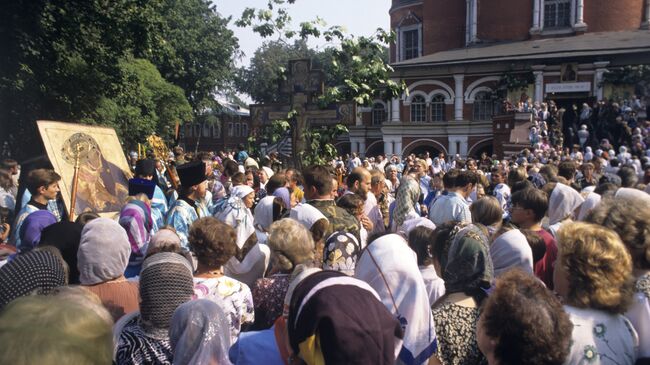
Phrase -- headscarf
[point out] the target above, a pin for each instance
(336, 319)
(30, 230)
(136, 220)
(306, 214)
(511, 250)
(103, 253)
(200, 334)
(65, 236)
(563, 201)
(237, 215)
(31, 272)
(285, 195)
(391, 268)
(162, 238)
(268, 171)
(413, 223)
(341, 252)
(406, 198)
(165, 283)
(468, 268)
(632, 194)
(589, 155)
(264, 213)
(590, 203)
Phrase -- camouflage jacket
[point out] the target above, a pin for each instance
(339, 218)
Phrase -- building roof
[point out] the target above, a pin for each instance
(588, 44)
(232, 108)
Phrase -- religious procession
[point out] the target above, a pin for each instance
(471, 186)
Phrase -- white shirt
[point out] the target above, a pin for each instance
(450, 207)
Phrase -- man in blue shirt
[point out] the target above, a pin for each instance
(454, 206)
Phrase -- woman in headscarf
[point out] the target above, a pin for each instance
(165, 284)
(102, 257)
(291, 245)
(593, 277)
(137, 221)
(320, 332)
(591, 201)
(341, 253)
(461, 254)
(33, 225)
(268, 210)
(65, 236)
(214, 243)
(317, 224)
(391, 268)
(510, 250)
(251, 258)
(284, 194)
(200, 334)
(37, 271)
(406, 201)
(563, 204)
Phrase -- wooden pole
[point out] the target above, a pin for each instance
(75, 182)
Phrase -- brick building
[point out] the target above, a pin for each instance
(455, 55)
(222, 130)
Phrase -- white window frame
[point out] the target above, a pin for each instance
(439, 104)
(402, 42)
(423, 104)
(231, 129)
(483, 106)
(375, 110)
(244, 130)
(572, 14)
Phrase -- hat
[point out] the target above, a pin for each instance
(137, 186)
(145, 167)
(192, 173)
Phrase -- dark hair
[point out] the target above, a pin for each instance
(86, 217)
(536, 243)
(319, 177)
(533, 199)
(521, 185)
(8, 164)
(213, 241)
(351, 202)
(41, 178)
(516, 175)
(238, 179)
(628, 176)
(442, 243)
(230, 167)
(449, 180)
(276, 181)
(606, 189)
(355, 175)
(527, 321)
(420, 240)
(466, 177)
(567, 169)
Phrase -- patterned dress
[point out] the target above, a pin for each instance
(268, 296)
(236, 297)
(456, 330)
(136, 347)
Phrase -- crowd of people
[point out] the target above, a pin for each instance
(539, 258)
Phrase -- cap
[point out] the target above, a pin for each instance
(137, 186)
(145, 167)
(192, 173)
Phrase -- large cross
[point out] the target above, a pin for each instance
(303, 86)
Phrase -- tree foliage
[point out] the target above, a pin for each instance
(84, 60)
(356, 67)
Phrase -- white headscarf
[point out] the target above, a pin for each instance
(632, 194)
(511, 250)
(590, 203)
(412, 223)
(391, 268)
(241, 191)
(589, 155)
(563, 202)
(264, 213)
(306, 214)
(268, 171)
(237, 215)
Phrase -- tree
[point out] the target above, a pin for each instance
(357, 68)
(74, 61)
(262, 78)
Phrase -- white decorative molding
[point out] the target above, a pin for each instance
(408, 100)
(447, 88)
(478, 82)
(476, 90)
(417, 141)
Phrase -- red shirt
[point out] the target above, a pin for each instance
(544, 267)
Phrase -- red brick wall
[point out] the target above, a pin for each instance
(607, 15)
(504, 20)
(395, 19)
(444, 25)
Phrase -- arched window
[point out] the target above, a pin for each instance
(231, 130)
(483, 106)
(418, 109)
(237, 129)
(378, 114)
(188, 130)
(438, 108)
(244, 130)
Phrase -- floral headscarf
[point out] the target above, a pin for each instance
(341, 252)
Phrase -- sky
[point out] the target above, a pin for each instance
(359, 17)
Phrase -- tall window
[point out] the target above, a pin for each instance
(411, 42)
(557, 13)
(244, 130)
(483, 106)
(418, 109)
(438, 108)
(231, 130)
(378, 114)
(237, 129)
